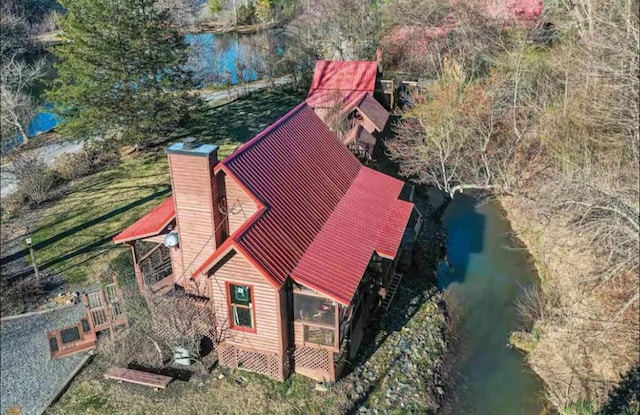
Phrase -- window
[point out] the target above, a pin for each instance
(319, 335)
(53, 344)
(314, 309)
(241, 306)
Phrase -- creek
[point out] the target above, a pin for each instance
(488, 270)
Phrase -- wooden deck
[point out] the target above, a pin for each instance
(141, 378)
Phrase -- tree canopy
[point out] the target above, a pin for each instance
(123, 74)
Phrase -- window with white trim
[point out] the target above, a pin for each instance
(241, 306)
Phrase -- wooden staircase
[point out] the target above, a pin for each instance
(391, 291)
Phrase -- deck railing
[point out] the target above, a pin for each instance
(156, 265)
(105, 308)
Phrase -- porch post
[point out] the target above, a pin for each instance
(136, 266)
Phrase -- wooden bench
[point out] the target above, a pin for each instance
(135, 376)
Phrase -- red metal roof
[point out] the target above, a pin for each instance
(341, 82)
(375, 112)
(345, 75)
(326, 98)
(300, 172)
(150, 224)
(369, 219)
(308, 184)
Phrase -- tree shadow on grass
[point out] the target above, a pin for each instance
(71, 231)
(240, 120)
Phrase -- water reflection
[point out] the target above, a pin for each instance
(484, 281)
(220, 59)
(215, 59)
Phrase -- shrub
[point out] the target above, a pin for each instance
(94, 156)
(127, 347)
(34, 179)
(215, 6)
(246, 15)
(72, 166)
(102, 154)
(13, 204)
(122, 267)
(20, 296)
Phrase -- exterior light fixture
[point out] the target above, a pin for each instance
(171, 240)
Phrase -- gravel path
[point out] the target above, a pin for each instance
(28, 376)
(239, 90)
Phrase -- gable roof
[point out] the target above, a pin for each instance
(344, 75)
(341, 81)
(305, 180)
(338, 257)
(150, 224)
(375, 112)
(299, 172)
(359, 135)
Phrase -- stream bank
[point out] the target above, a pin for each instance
(584, 359)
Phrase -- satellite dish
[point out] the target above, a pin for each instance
(171, 240)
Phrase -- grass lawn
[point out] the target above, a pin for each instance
(91, 394)
(73, 235)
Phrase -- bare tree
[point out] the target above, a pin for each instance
(16, 32)
(451, 141)
(17, 107)
(340, 29)
(170, 321)
(34, 179)
(184, 13)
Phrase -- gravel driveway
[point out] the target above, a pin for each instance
(28, 376)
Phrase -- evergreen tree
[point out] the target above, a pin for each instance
(123, 74)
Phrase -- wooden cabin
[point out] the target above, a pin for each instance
(351, 90)
(290, 239)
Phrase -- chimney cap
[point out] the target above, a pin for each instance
(190, 143)
(190, 146)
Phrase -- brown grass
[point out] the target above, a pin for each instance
(583, 343)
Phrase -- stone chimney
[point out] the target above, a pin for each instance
(196, 194)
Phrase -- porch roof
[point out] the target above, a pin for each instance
(375, 112)
(150, 224)
(370, 218)
(360, 135)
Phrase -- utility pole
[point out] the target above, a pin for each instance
(33, 259)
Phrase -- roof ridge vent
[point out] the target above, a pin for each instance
(190, 143)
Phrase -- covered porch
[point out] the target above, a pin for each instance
(328, 333)
(348, 270)
(152, 254)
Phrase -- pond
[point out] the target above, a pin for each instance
(488, 271)
(215, 59)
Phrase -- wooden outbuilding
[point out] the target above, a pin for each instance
(353, 89)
